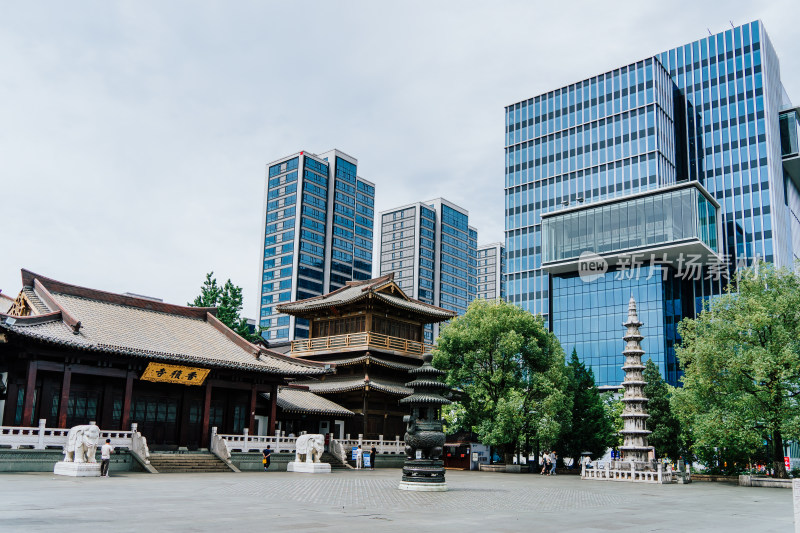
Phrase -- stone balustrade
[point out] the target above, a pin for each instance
(340, 448)
(42, 438)
(628, 474)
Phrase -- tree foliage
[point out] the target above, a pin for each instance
(511, 371)
(591, 428)
(228, 301)
(665, 429)
(612, 403)
(741, 359)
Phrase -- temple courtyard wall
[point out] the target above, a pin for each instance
(44, 461)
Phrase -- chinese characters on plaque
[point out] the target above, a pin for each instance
(185, 375)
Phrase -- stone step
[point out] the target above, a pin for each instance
(187, 462)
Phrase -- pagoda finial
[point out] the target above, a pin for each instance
(633, 316)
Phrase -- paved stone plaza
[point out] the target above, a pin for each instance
(366, 500)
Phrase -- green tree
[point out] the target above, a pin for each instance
(741, 360)
(590, 428)
(454, 416)
(510, 369)
(228, 301)
(612, 403)
(665, 429)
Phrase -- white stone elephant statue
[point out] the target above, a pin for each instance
(309, 448)
(81, 444)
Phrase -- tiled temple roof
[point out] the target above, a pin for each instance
(336, 384)
(88, 319)
(383, 289)
(292, 400)
(373, 361)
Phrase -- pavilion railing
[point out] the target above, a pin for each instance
(43, 438)
(365, 339)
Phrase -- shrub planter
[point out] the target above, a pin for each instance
(711, 477)
(758, 481)
(492, 468)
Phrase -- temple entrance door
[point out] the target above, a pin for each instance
(194, 428)
(338, 429)
(324, 427)
(157, 417)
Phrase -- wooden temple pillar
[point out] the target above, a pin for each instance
(30, 389)
(273, 409)
(251, 416)
(364, 408)
(125, 422)
(10, 411)
(204, 434)
(63, 401)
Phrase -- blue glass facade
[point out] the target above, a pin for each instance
(318, 234)
(586, 317)
(707, 112)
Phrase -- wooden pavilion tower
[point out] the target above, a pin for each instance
(373, 332)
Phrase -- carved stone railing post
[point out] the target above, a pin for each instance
(40, 442)
(139, 445)
(246, 440)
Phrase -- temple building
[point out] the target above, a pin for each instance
(300, 410)
(374, 334)
(73, 355)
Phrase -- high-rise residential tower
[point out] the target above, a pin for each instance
(318, 223)
(676, 159)
(491, 271)
(431, 249)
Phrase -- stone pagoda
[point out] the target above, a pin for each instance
(635, 464)
(424, 469)
(634, 414)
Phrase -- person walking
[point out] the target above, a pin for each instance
(359, 457)
(545, 463)
(553, 460)
(267, 453)
(373, 453)
(105, 457)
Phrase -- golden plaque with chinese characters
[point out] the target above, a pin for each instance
(185, 375)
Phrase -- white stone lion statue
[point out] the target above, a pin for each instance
(309, 448)
(81, 444)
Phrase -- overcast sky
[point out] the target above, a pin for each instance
(133, 135)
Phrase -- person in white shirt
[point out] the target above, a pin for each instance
(359, 457)
(105, 456)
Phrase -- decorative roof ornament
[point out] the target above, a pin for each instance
(634, 413)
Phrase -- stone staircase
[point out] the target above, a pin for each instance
(175, 462)
(335, 463)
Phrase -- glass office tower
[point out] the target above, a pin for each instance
(491, 271)
(431, 249)
(695, 128)
(318, 223)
